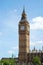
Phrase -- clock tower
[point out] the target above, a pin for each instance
(24, 38)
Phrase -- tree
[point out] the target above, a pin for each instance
(36, 61)
(5, 63)
(8, 61)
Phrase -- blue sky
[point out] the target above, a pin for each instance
(10, 15)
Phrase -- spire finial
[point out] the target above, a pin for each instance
(23, 9)
(34, 48)
(23, 14)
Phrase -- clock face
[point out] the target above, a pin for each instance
(22, 28)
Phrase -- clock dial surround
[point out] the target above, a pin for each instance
(22, 28)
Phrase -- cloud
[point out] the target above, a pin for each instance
(38, 42)
(13, 49)
(37, 19)
(32, 43)
(37, 23)
(10, 52)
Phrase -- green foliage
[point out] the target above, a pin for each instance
(5, 63)
(12, 61)
(36, 61)
(8, 61)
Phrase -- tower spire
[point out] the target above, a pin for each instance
(23, 10)
(23, 14)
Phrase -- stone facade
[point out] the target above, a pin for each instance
(25, 55)
(31, 55)
(24, 38)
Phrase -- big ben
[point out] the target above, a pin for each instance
(24, 38)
